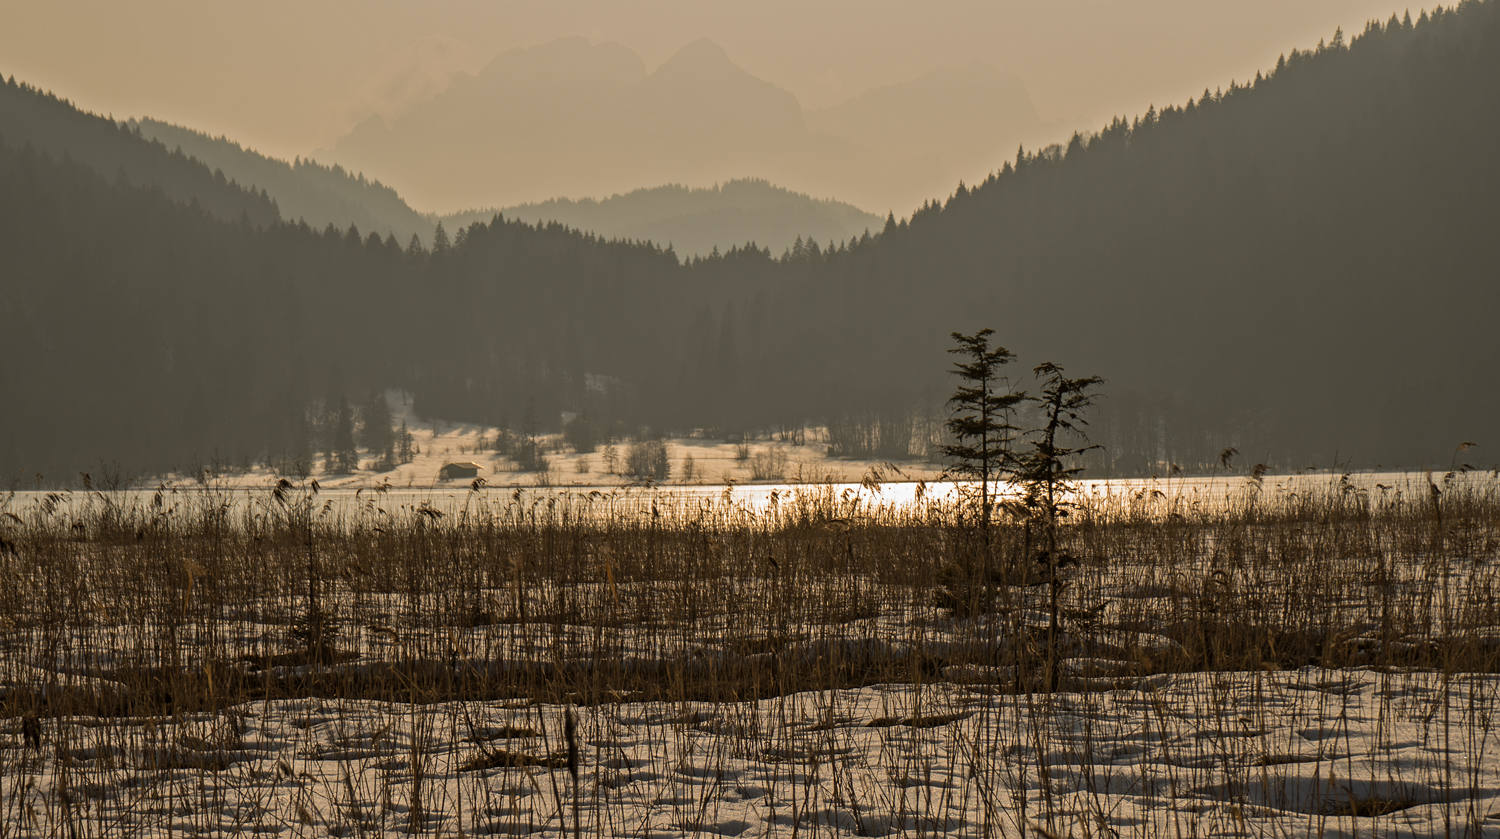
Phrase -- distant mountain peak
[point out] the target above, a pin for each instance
(571, 116)
(567, 58)
(704, 62)
(707, 95)
(697, 219)
(699, 53)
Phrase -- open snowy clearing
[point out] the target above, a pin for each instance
(1301, 753)
(1317, 660)
(693, 461)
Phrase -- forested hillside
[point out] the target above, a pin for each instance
(1302, 266)
(695, 221)
(145, 333)
(28, 115)
(305, 190)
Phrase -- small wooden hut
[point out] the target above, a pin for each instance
(459, 469)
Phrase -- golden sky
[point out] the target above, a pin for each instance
(287, 77)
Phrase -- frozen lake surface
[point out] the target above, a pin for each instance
(613, 502)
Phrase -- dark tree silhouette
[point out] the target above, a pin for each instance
(983, 407)
(1046, 471)
(376, 432)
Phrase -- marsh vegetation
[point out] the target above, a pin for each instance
(1255, 658)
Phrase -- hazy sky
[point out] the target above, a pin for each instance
(289, 77)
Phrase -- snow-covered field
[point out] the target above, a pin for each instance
(1302, 753)
(693, 461)
(1232, 663)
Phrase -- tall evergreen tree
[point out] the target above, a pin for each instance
(1047, 471)
(980, 423)
(376, 432)
(982, 407)
(344, 456)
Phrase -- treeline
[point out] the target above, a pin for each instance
(305, 190)
(696, 221)
(146, 333)
(1301, 266)
(118, 151)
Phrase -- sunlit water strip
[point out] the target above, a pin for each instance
(685, 503)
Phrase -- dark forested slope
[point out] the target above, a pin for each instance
(304, 189)
(143, 332)
(1303, 266)
(28, 115)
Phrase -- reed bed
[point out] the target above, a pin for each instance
(1239, 659)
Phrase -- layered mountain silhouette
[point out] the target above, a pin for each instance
(304, 190)
(574, 118)
(698, 221)
(570, 117)
(692, 221)
(1301, 267)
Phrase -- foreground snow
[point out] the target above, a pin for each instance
(1268, 753)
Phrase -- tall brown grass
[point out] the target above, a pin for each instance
(175, 605)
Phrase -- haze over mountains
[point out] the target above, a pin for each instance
(686, 155)
(950, 124)
(692, 221)
(698, 221)
(570, 118)
(303, 189)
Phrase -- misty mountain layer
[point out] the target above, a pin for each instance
(695, 222)
(692, 221)
(570, 118)
(1302, 267)
(949, 123)
(304, 190)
